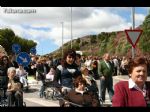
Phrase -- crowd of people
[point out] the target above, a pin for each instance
(75, 77)
(73, 67)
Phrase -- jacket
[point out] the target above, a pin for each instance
(125, 97)
(103, 69)
(66, 75)
(87, 99)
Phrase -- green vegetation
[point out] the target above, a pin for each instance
(144, 42)
(8, 38)
(113, 42)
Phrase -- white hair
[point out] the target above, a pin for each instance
(10, 69)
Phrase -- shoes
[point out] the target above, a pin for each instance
(102, 100)
(41, 95)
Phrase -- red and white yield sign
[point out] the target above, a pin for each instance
(133, 36)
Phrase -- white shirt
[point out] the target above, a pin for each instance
(88, 64)
(80, 91)
(21, 72)
(116, 64)
(50, 76)
(133, 85)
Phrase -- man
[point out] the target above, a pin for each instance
(105, 70)
(42, 70)
(116, 65)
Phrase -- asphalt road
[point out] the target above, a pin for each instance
(32, 98)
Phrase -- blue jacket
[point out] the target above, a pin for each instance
(67, 75)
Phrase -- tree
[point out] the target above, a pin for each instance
(8, 38)
(78, 40)
(144, 41)
(93, 39)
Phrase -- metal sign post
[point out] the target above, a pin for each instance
(62, 38)
(16, 48)
(133, 26)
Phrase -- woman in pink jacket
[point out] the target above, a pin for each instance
(136, 91)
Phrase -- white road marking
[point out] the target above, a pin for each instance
(42, 102)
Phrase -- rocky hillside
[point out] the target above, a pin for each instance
(114, 42)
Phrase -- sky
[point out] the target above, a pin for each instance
(47, 25)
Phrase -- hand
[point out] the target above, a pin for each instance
(16, 86)
(32, 67)
(67, 104)
(103, 77)
(94, 103)
(9, 85)
(64, 91)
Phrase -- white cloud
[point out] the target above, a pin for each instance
(139, 18)
(100, 21)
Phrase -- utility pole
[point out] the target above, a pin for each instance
(71, 27)
(90, 45)
(133, 27)
(42, 49)
(62, 37)
(148, 11)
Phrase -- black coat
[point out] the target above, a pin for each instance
(41, 72)
(87, 99)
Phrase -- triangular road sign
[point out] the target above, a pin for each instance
(133, 36)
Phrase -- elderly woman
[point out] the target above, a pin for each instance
(80, 96)
(14, 91)
(91, 82)
(136, 91)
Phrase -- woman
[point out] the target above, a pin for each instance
(95, 68)
(49, 80)
(22, 74)
(124, 66)
(91, 82)
(6, 63)
(136, 91)
(14, 90)
(80, 96)
(51, 74)
(3, 78)
(67, 71)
